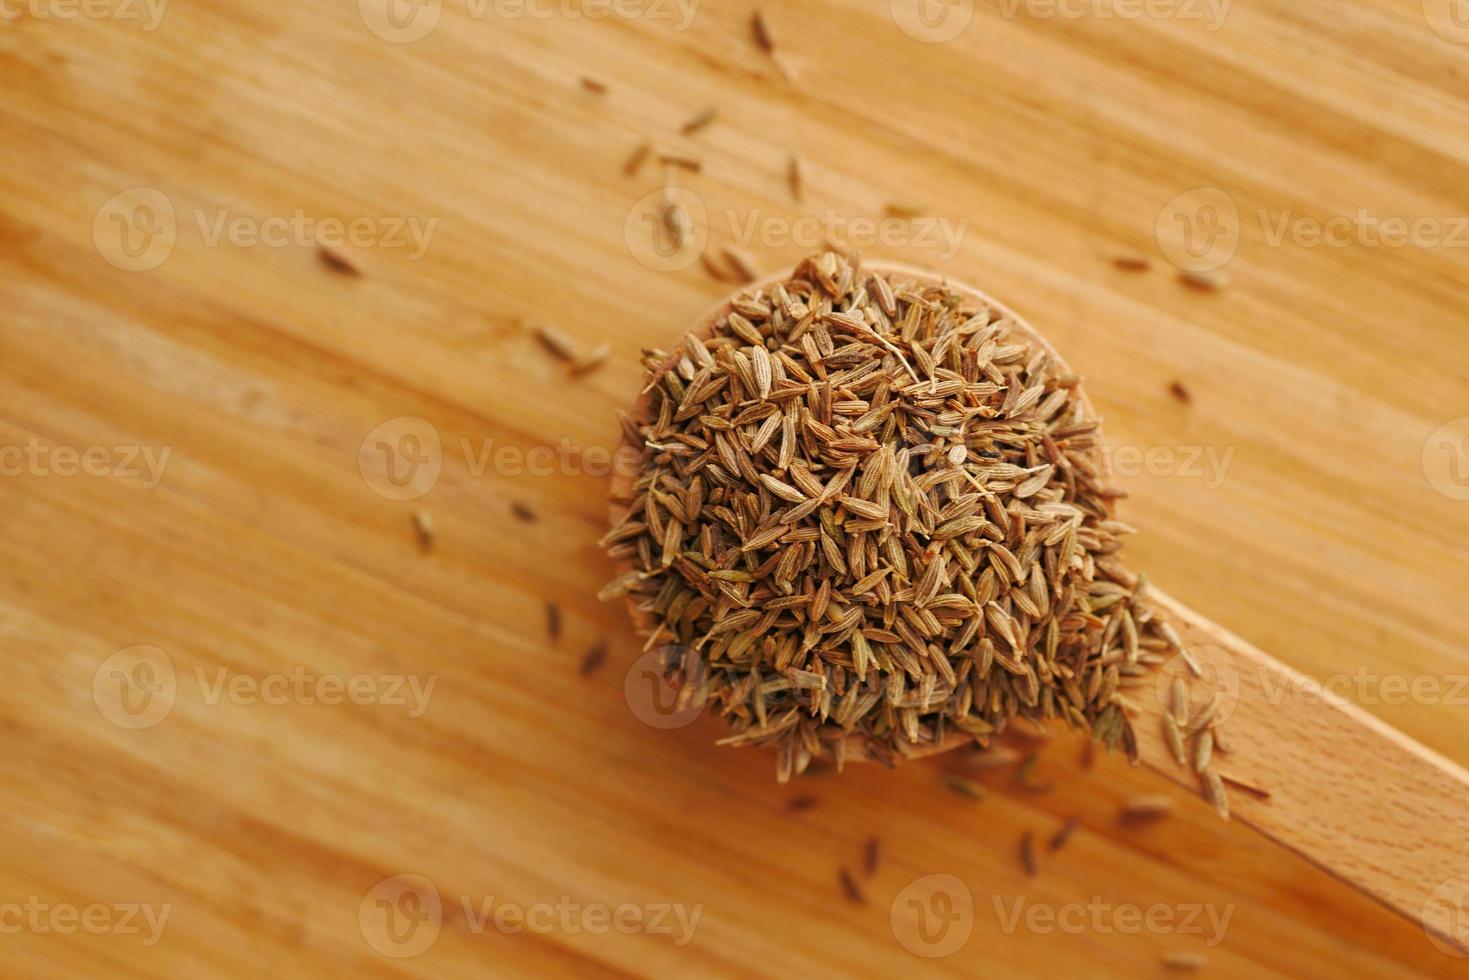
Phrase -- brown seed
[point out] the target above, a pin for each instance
(1060, 837)
(796, 176)
(1132, 263)
(850, 888)
(701, 120)
(1206, 281)
(1174, 738)
(637, 158)
(589, 361)
(595, 86)
(764, 36)
(1184, 960)
(800, 804)
(1025, 772)
(1180, 392)
(871, 856)
(337, 262)
(553, 621)
(423, 527)
(967, 788)
(522, 511)
(904, 209)
(1203, 750)
(681, 160)
(559, 344)
(1245, 785)
(595, 657)
(1027, 854)
(1145, 807)
(1214, 791)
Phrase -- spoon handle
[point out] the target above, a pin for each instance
(1355, 796)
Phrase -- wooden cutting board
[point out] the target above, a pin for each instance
(255, 724)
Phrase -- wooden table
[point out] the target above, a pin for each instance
(215, 604)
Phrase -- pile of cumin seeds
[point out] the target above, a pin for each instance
(871, 512)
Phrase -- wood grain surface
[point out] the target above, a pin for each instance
(205, 541)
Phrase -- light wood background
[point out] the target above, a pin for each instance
(264, 550)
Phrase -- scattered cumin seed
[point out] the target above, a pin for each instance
(1174, 738)
(1214, 791)
(1245, 785)
(559, 344)
(553, 621)
(522, 511)
(700, 121)
(639, 156)
(1203, 750)
(1184, 960)
(764, 36)
(595, 657)
(593, 85)
(993, 758)
(423, 527)
(1145, 807)
(1179, 391)
(681, 160)
(850, 887)
(1132, 263)
(591, 360)
(1060, 837)
(960, 786)
(800, 804)
(1178, 703)
(1027, 854)
(715, 268)
(1207, 281)
(337, 262)
(796, 176)
(741, 262)
(871, 856)
(904, 209)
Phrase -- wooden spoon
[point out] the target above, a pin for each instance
(1304, 767)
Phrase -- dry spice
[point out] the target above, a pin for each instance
(553, 621)
(850, 888)
(1132, 263)
(1206, 281)
(595, 657)
(816, 563)
(1059, 839)
(1179, 391)
(796, 176)
(700, 121)
(1145, 807)
(639, 156)
(1184, 960)
(740, 263)
(800, 804)
(423, 528)
(871, 856)
(1027, 854)
(967, 788)
(522, 511)
(594, 85)
(337, 262)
